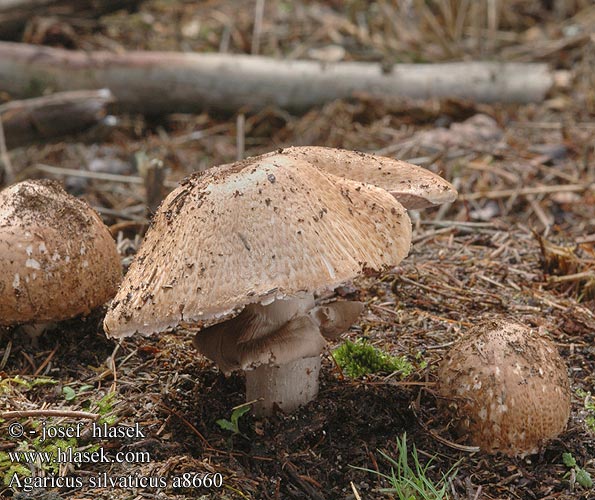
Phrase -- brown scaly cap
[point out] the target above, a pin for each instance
(508, 387)
(414, 187)
(259, 230)
(58, 259)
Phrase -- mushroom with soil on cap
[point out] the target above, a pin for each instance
(506, 387)
(58, 259)
(260, 236)
(413, 186)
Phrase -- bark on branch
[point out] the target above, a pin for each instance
(46, 117)
(166, 82)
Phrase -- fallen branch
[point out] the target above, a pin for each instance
(46, 117)
(15, 13)
(167, 82)
(505, 193)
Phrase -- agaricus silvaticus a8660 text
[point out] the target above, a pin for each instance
(58, 259)
(261, 236)
(507, 388)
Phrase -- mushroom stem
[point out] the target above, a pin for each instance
(287, 386)
(258, 336)
(35, 330)
(278, 345)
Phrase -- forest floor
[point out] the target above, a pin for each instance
(525, 218)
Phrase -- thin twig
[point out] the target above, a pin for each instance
(505, 193)
(46, 361)
(6, 355)
(590, 238)
(9, 174)
(257, 31)
(241, 136)
(29, 360)
(539, 212)
(189, 424)
(50, 413)
(122, 214)
(355, 492)
(437, 437)
(431, 234)
(199, 135)
(100, 176)
(114, 369)
(585, 275)
(456, 223)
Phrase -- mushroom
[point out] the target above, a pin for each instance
(507, 387)
(413, 186)
(261, 236)
(58, 259)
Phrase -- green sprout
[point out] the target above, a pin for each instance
(589, 405)
(582, 476)
(10, 384)
(359, 358)
(105, 407)
(412, 483)
(233, 425)
(70, 394)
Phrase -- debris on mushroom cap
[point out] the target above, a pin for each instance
(255, 232)
(413, 186)
(58, 259)
(508, 388)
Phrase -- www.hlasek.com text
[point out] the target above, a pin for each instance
(93, 455)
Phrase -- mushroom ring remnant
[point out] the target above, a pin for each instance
(507, 386)
(264, 234)
(58, 259)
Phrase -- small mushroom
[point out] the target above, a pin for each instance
(507, 387)
(58, 259)
(261, 237)
(414, 187)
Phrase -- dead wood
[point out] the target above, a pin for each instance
(43, 118)
(14, 14)
(167, 82)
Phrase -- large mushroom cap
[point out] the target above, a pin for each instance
(414, 187)
(58, 259)
(508, 386)
(260, 230)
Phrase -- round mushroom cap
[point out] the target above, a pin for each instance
(260, 230)
(58, 259)
(507, 386)
(413, 186)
